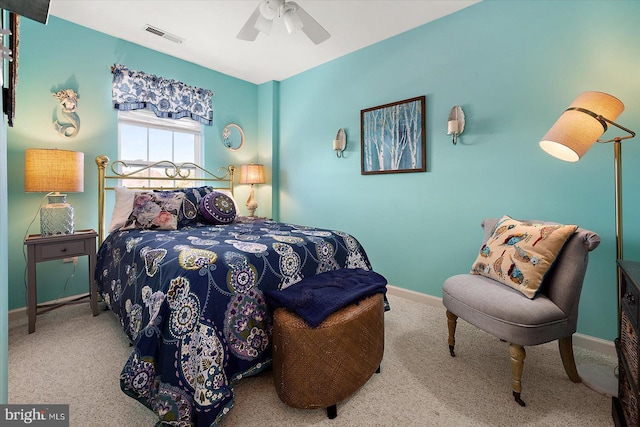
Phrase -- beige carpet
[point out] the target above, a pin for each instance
(76, 358)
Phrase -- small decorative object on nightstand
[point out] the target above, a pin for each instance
(41, 248)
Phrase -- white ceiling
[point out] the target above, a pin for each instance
(209, 29)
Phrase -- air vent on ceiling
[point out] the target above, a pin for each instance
(163, 34)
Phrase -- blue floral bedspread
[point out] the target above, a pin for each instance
(192, 303)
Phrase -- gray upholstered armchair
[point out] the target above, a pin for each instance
(511, 316)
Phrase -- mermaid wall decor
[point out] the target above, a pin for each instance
(68, 101)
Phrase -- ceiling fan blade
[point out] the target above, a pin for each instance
(249, 31)
(310, 26)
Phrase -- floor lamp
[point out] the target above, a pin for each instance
(577, 129)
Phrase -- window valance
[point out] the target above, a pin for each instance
(133, 90)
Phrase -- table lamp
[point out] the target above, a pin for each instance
(252, 174)
(54, 171)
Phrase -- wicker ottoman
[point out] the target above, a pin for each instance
(319, 367)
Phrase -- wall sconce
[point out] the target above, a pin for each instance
(252, 174)
(455, 126)
(52, 171)
(340, 142)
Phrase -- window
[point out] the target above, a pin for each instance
(144, 139)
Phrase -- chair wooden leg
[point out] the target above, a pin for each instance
(566, 353)
(452, 320)
(517, 354)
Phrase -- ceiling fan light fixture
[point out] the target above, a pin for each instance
(295, 18)
(292, 21)
(263, 24)
(269, 9)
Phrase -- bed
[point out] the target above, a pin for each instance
(191, 300)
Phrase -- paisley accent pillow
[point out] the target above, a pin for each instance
(218, 208)
(189, 214)
(519, 254)
(155, 211)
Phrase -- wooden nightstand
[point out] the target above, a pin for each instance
(80, 243)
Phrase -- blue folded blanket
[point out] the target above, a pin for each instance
(315, 298)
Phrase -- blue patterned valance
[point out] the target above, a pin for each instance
(133, 90)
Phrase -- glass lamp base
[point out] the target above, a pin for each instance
(56, 217)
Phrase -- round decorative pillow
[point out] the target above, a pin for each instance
(217, 208)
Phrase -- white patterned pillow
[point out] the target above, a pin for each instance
(122, 208)
(155, 211)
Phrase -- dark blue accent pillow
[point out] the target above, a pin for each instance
(217, 208)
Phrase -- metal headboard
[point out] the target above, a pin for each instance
(109, 179)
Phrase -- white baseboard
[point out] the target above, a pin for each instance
(415, 296)
(579, 340)
(19, 313)
(598, 345)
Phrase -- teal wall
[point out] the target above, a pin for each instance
(513, 67)
(268, 128)
(64, 55)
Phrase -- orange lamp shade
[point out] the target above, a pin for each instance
(49, 170)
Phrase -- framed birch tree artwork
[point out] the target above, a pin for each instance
(393, 137)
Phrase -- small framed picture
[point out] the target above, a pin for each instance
(393, 137)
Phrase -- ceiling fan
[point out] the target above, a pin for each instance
(295, 18)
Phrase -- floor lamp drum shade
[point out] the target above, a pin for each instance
(54, 171)
(580, 126)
